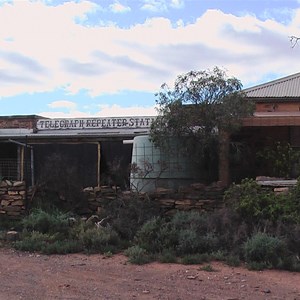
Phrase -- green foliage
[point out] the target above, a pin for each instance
(280, 159)
(185, 233)
(254, 203)
(99, 240)
(191, 242)
(137, 255)
(208, 268)
(8, 223)
(233, 260)
(196, 108)
(52, 233)
(195, 259)
(167, 256)
(128, 215)
(264, 249)
(156, 235)
(45, 222)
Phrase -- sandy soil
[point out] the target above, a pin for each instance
(77, 276)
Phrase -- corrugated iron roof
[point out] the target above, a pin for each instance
(286, 87)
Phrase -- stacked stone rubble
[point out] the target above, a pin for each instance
(12, 198)
(96, 196)
(194, 197)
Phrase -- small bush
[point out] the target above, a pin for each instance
(233, 261)
(33, 241)
(137, 255)
(219, 255)
(189, 242)
(194, 259)
(46, 222)
(255, 204)
(208, 268)
(128, 215)
(194, 220)
(264, 249)
(156, 235)
(167, 256)
(256, 266)
(99, 240)
(62, 247)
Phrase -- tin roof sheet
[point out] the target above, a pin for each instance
(286, 87)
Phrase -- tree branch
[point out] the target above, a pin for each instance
(294, 40)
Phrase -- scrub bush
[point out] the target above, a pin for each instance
(137, 255)
(128, 215)
(167, 256)
(195, 259)
(99, 240)
(46, 222)
(256, 204)
(156, 235)
(265, 250)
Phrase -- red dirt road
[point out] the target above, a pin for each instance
(77, 276)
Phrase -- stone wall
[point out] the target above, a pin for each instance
(12, 199)
(194, 197)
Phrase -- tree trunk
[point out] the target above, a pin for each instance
(224, 173)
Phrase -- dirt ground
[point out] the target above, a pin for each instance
(77, 276)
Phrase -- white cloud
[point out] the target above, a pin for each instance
(43, 48)
(119, 8)
(104, 111)
(63, 104)
(154, 5)
(117, 110)
(177, 3)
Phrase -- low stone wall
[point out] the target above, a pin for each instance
(194, 197)
(12, 198)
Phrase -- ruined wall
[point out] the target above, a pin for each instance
(194, 197)
(28, 122)
(12, 199)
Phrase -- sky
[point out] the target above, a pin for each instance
(105, 58)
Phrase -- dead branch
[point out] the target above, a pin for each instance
(294, 40)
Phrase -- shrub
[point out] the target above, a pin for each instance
(233, 260)
(62, 247)
(33, 241)
(137, 255)
(194, 259)
(99, 240)
(128, 215)
(264, 249)
(208, 268)
(190, 220)
(280, 159)
(167, 256)
(189, 242)
(46, 222)
(255, 204)
(156, 235)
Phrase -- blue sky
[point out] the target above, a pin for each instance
(109, 58)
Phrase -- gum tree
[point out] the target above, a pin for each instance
(202, 108)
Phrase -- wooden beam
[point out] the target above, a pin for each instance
(98, 164)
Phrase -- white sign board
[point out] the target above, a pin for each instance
(95, 123)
